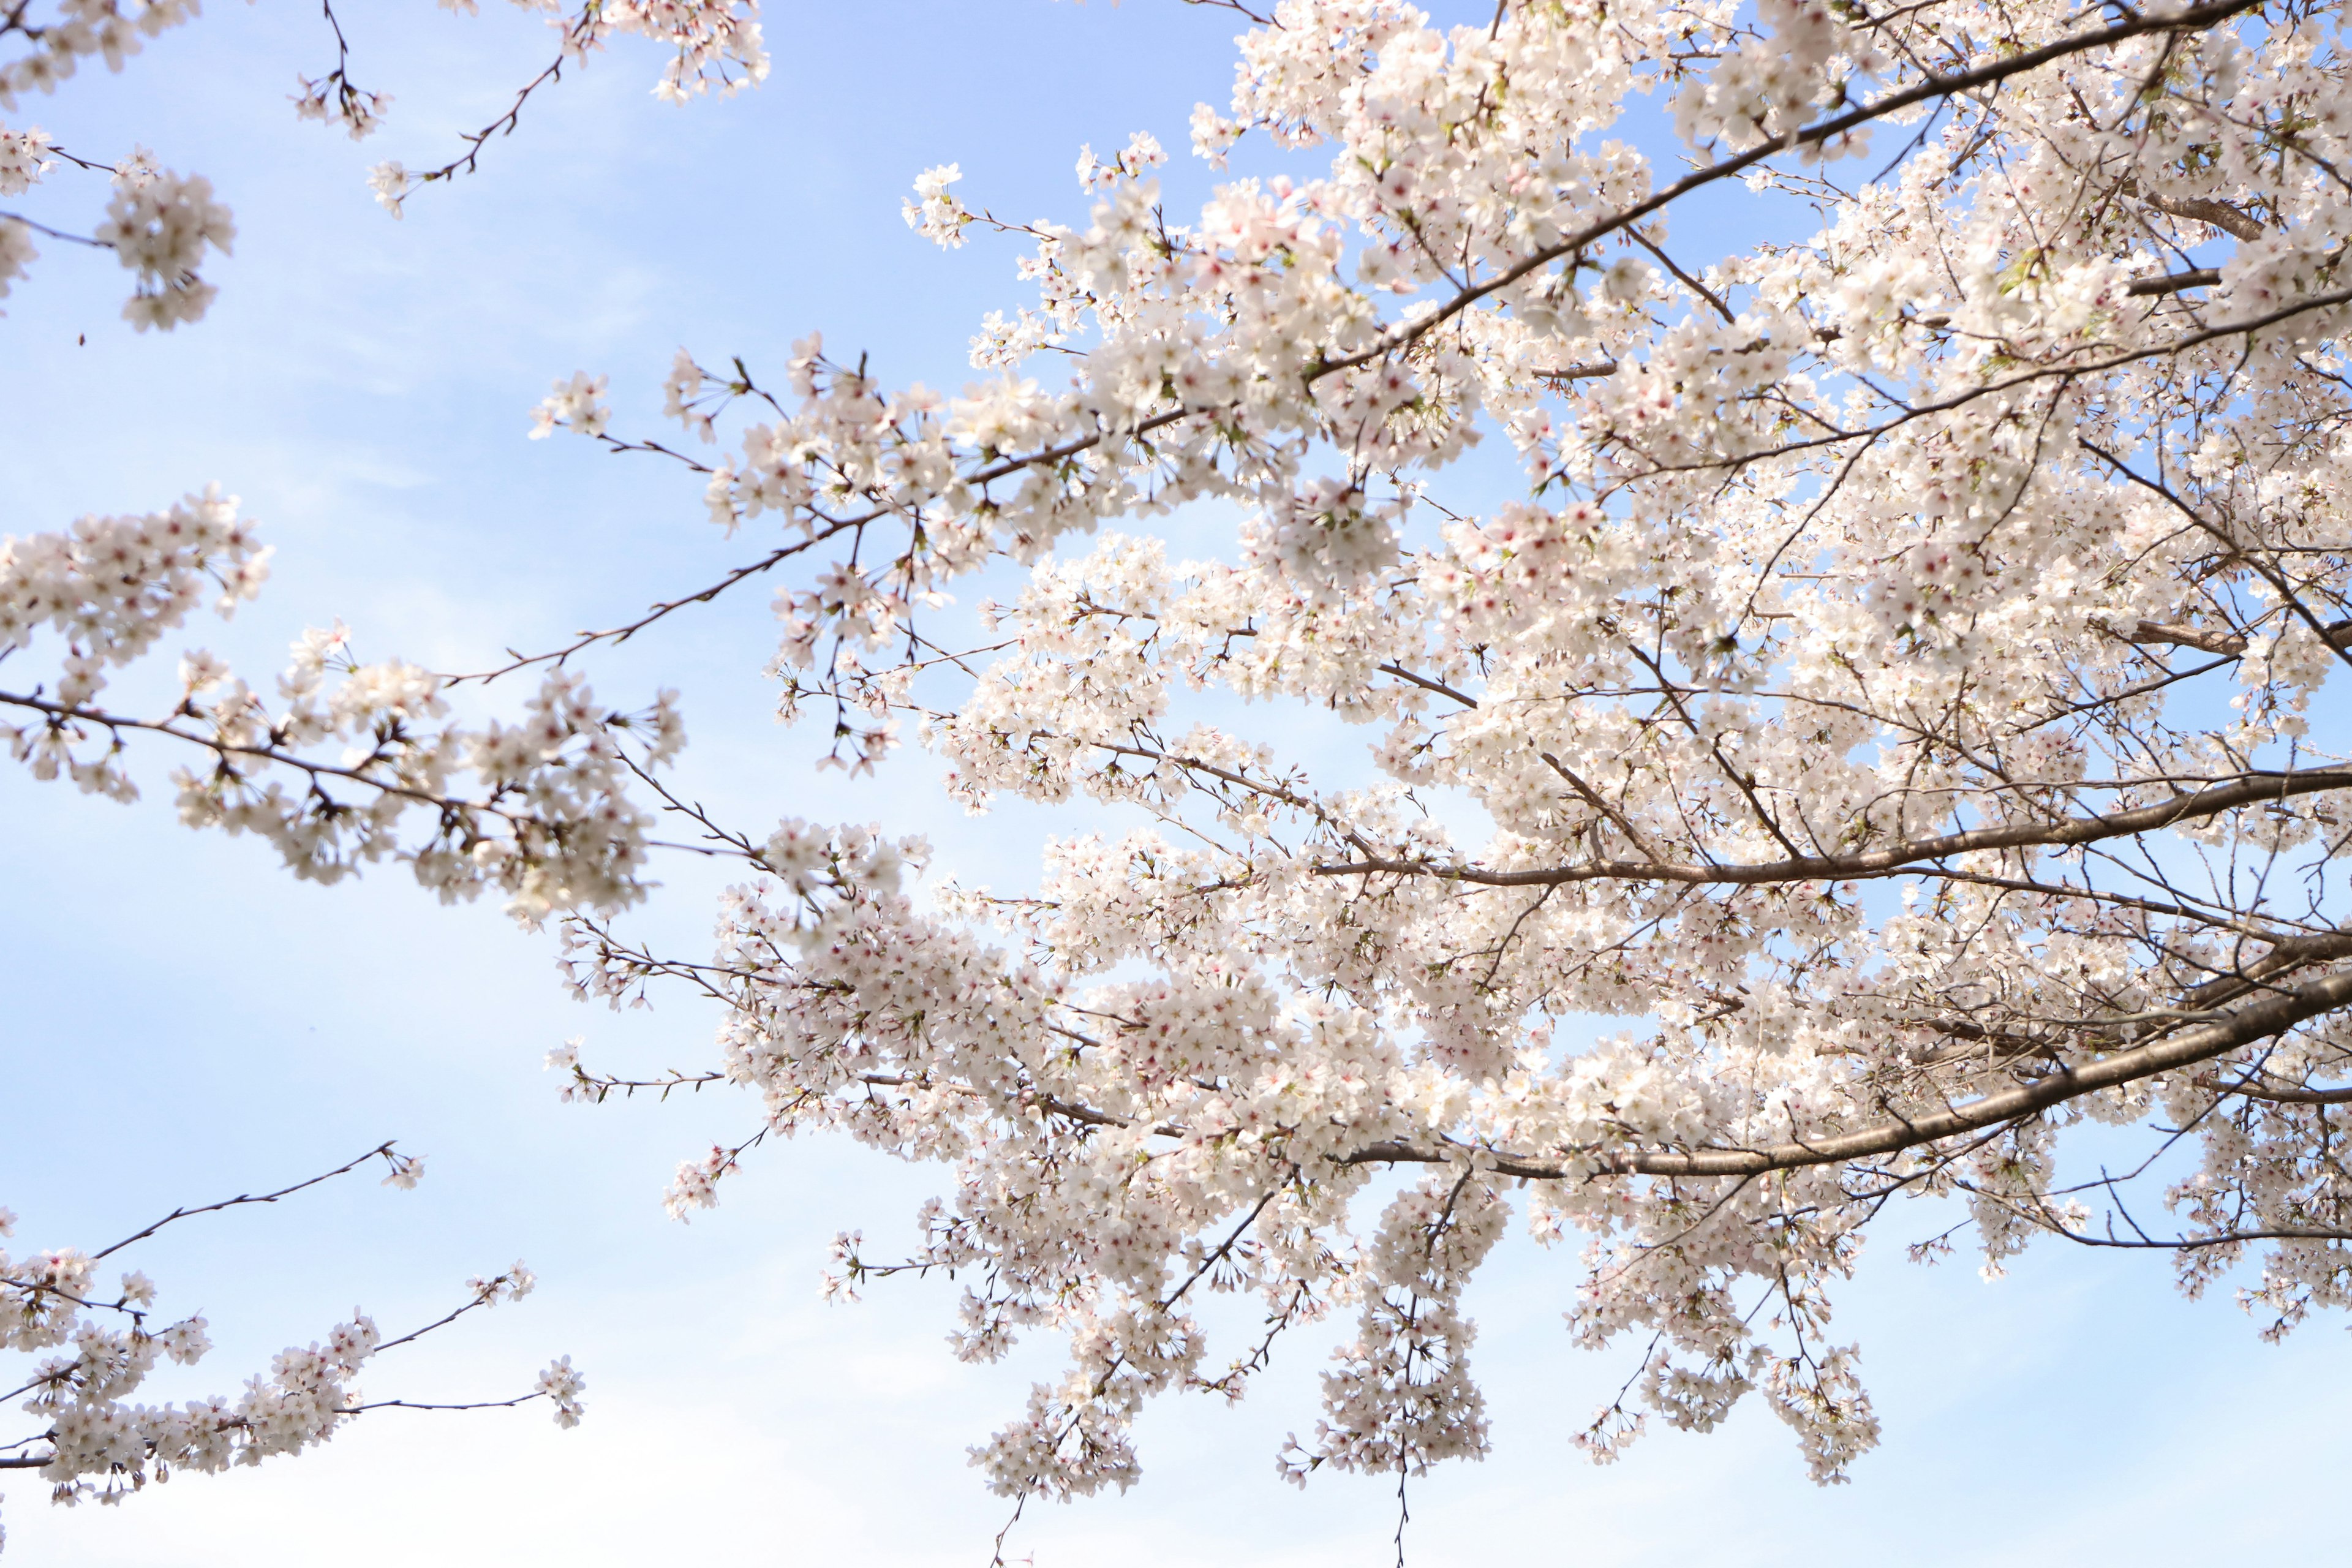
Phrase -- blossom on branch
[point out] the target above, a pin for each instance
(93, 1442)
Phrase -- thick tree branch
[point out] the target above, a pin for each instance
(2202, 278)
(2249, 790)
(2205, 209)
(2257, 1021)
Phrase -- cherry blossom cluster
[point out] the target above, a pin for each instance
(550, 824)
(1800, 61)
(352, 755)
(158, 223)
(22, 160)
(112, 585)
(159, 226)
(46, 54)
(713, 44)
(94, 1441)
(333, 99)
(935, 214)
(1885, 734)
(562, 1388)
(577, 405)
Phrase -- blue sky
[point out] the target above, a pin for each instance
(184, 1022)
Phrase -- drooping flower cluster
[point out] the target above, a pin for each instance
(332, 99)
(714, 44)
(561, 1385)
(158, 225)
(1888, 717)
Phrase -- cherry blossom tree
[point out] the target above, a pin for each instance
(1887, 706)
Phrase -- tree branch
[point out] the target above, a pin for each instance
(2257, 1021)
(2251, 789)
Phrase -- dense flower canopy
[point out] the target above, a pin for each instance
(1888, 705)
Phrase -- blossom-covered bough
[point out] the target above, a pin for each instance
(1890, 696)
(90, 1441)
(549, 823)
